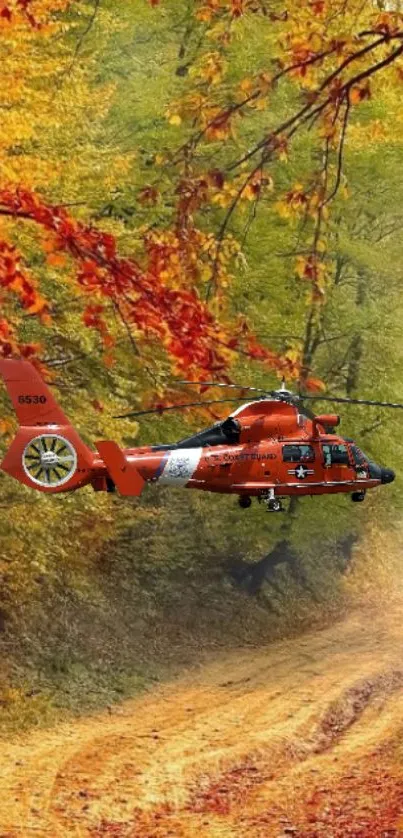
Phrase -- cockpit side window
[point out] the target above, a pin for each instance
(298, 454)
(335, 454)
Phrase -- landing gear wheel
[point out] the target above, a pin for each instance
(244, 501)
(358, 497)
(273, 504)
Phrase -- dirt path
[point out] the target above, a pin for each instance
(298, 738)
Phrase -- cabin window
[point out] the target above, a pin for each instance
(335, 455)
(298, 454)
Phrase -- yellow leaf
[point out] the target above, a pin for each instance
(175, 119)
(283, 209)
(315, 42)
(300, 267)
(246, 85)
(261, 104)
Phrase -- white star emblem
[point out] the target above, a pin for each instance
(301, 472)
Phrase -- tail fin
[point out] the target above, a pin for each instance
(33, 402)
(47, 454)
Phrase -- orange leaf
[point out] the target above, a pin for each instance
(315, 384)
(57, 260)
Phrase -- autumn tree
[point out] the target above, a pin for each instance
(325, 60)
(325, 73)
(155, 298)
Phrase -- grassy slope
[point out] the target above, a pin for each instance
(161, 593)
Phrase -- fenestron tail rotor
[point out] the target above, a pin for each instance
(49, 460)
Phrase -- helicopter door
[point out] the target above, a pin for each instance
(336, 463)
(302, 463)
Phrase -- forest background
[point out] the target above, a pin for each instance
(208, 188)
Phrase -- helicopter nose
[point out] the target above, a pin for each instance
(387, 475)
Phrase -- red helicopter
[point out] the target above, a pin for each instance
(270, 448)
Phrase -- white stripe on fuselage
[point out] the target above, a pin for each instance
(180, 466)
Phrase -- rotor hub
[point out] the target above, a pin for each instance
(49, 459)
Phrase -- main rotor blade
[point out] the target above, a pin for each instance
(179, 407)
(220, 384)
(350, 401)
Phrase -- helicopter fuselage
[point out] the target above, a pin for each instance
(286, 465)
(269, 448)
(278, 452)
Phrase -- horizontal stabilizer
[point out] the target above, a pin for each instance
(123, 473)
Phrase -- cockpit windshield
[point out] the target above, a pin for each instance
(359, 457)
